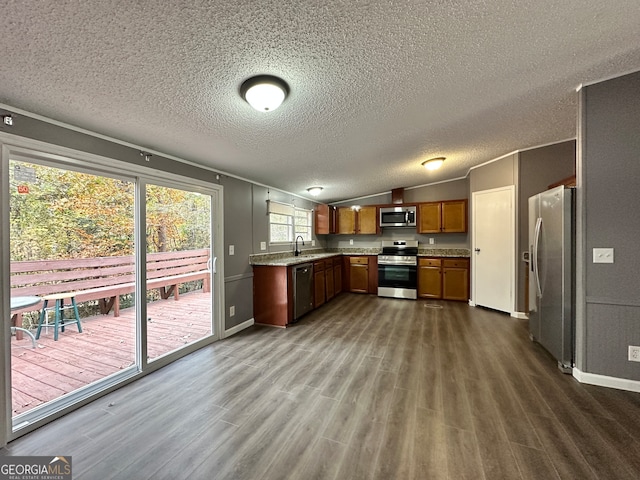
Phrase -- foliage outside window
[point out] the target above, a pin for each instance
(302, 224)
(287, 222)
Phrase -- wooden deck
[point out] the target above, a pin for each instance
(105, 346)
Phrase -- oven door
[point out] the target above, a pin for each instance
(398, 276)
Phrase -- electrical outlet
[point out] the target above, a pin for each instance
(263, 245)
(232, 310)
(351, 241)
(313, 243)
(634, 353)
(232, 250)
(432, 240)
(603, 255)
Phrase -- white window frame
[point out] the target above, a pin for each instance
(306, 236)
(291, 213)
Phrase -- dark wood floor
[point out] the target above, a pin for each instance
(361, 388)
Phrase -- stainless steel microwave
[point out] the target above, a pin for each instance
(398, 216)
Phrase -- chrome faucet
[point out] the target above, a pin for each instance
(297, 252)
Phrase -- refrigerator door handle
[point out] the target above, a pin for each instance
(534, 253)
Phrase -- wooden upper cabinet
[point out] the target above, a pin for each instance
(363, 221)
(346, 220)
(367, 219)
(430, 217)
(443, 217)
(324, 219)
(454, 216)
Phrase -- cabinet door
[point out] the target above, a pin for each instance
(329, 279)
(455, 279)
(368, 220)
(346, 220)
(454, 216)
(429, 217)
(429, 278)
(318, 288)
(337, 275)
(359, 276)
(321, 219)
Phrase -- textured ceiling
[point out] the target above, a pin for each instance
(376, 86)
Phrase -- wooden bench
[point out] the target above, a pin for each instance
(106, 278)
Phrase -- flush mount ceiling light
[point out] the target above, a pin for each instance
(315, 191)
(264, 92)
(433, 163)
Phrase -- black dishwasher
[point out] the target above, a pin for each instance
(302, 289)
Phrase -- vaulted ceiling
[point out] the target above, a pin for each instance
(377, 87)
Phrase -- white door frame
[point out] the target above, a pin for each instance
(512, 244)
(12, 145)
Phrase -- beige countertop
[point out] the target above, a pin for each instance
(285, 259)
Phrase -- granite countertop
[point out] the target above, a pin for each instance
(285, 259)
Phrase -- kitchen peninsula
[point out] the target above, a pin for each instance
(345, 270)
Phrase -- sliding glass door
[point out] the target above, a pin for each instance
(72, 264)
(85, 245)
(178, 269)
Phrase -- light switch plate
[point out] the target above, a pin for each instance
(263, 245)
(313, 243)
(232, 250)
(351, 241)
(603, 255)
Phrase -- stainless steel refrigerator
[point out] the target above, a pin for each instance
(551, 274)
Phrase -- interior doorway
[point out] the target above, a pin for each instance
(493, 244)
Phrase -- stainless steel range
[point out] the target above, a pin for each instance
(398, 269)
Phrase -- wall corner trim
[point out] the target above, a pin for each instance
(239, 328)
(606, 381)
(520, 315)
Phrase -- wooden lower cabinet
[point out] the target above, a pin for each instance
(337, 275)
(319, 287)
(359, 274)
(273, 286)
(429, 278)
(272, 295)
(446, 279)
(455, 279)
(329, 279)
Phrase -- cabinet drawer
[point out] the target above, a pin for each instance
(328, 263)
(318, 266)
(429, 262)
(359, 260)
(456, 262)
(337, 261)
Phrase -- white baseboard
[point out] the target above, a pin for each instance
(472, 303)
(605, 381)
(521, 315)
(238, 328)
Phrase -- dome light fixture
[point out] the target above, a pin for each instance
(433, 163)
(265, 93)
(315, 191)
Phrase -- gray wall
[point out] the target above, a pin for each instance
(501, 173)
(539, 168)
(238, 276)
(453, 190)
(609, 169)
